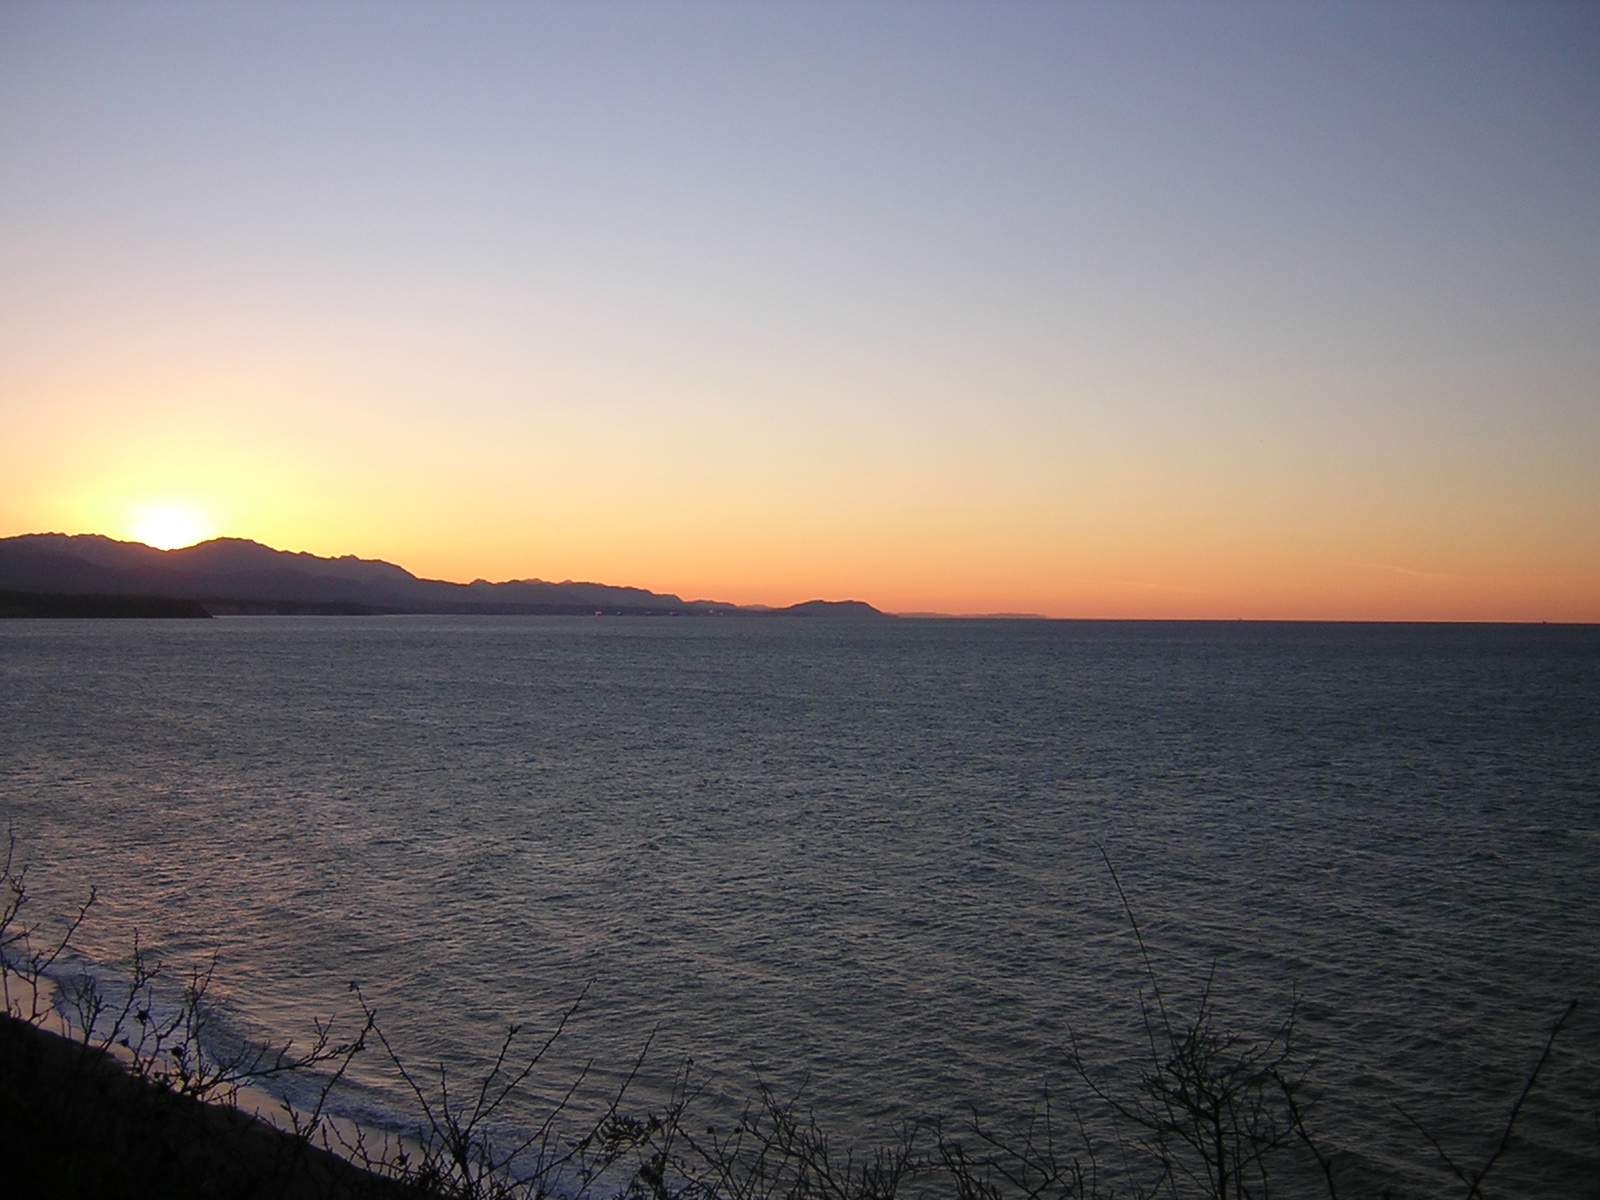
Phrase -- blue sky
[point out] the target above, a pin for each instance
(1197, 309)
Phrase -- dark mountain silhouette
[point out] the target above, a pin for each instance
(832, 608)
(235, 575)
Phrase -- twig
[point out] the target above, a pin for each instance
(1516, 1109)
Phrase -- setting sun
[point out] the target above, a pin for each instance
(170, 524)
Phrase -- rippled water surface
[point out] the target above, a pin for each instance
(862, 855)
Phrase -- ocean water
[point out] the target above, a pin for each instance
(865, 859)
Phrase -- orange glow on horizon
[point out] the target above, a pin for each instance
(975, 582)
(985, 525)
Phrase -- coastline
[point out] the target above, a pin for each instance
(75, 1122)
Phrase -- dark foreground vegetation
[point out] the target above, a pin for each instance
(75, 1121)
(112, 1094)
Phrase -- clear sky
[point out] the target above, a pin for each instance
(1261, 310)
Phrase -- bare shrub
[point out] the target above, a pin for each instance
(1202, 1111)
(27, 956)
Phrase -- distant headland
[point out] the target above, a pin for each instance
(57, 574)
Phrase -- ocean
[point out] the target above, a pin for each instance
(865, 862)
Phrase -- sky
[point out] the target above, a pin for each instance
(1088, 310)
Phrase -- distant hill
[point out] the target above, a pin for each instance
(235, 575)
(832, 608)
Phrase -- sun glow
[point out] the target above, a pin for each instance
(170, 524)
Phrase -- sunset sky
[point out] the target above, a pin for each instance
(1209, 310)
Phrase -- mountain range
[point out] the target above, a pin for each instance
(228, 576)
